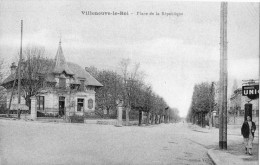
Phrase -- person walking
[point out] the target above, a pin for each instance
(248, 130)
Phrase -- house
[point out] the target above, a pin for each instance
(68, 89)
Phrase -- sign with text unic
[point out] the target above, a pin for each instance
(251, 91)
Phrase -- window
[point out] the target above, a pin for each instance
(90, 103)
(40, 102)
(80, 106)
(81, 85)
(62, 83)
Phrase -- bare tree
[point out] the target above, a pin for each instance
(234, 87)
(2, 89)
(35, 67)
(131, 74)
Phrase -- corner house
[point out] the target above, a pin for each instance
(68, 89)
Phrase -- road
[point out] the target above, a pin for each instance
(61, 143)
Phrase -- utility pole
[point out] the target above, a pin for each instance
(19, 73)
(12, 93)
(223, 77)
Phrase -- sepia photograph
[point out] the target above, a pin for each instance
(134, 82)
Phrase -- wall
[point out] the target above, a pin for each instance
(50, 103)
(14, 100)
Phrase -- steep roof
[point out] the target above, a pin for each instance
(59, 67)
(82, 73)
(78, 73)
(60, 62)
(11, 77)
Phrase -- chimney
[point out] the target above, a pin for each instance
(13, 68)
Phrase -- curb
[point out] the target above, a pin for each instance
(213, 157)
(220, 157)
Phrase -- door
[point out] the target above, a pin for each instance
(61, 105)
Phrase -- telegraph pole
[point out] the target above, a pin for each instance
(19, 73)
(223, 77)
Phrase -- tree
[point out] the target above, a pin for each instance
(148, 102)
(212, 102)
(34, 69)
(93, 71)
(202, 102)
(109, 93)
(130, 87)
(130, 74)
(234, 87)
(174, 115)
(157, 108)
(2, 89)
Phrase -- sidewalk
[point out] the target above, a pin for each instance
(231, 130)
(225, 158)
(235, 154)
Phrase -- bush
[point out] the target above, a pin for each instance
(3, 109)
(76, 119)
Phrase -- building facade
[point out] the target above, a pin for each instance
(68, 89)
(237, 104)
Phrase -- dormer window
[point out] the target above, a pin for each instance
(62, 81)
(82, 85)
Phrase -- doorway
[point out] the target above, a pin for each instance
(61, 105)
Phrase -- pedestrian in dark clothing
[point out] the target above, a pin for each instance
(248, 130)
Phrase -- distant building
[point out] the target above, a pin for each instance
(237, 104)
(69, 89)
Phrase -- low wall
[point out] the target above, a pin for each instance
(131, 123)
(101, 121)
(22, 116)
(107, 122)
(47, 119)
(239, 120)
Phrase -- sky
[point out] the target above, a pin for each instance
(175, 52)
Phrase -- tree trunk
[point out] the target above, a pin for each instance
(127, 116)
(152, 122)
(234, 117)
(28, 102)
(197, 119)
(210, 120)
(148, 118)
(140, 118)
(201, 119)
